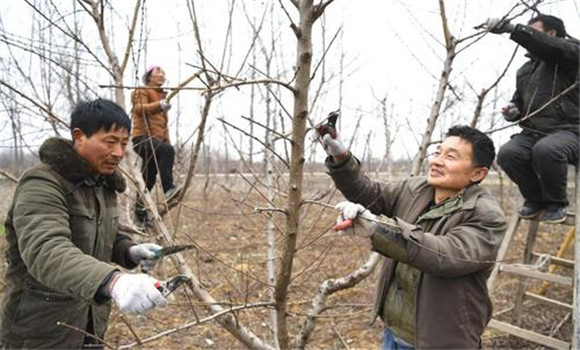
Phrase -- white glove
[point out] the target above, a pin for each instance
(164, 105)
(333, 147)
(498, 26)
(136, 293)
(362, 219)
(511, 112)
(144, 255)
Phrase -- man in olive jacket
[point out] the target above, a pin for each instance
(545, 104)
(439, 236)
(61, 234)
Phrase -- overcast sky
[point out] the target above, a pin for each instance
(390, 48)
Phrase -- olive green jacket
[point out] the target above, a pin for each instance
(452, 246)
(61, 234)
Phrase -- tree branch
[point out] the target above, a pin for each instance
(327, 288)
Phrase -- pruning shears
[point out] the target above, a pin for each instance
(167, 287)
(330, 126)
(343, 225)
(172, 250)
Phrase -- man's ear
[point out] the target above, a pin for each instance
(553, 32)
(479, 174)
(78, 136)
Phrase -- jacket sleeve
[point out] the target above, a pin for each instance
(41, 220)
(350, 180)
(517, 100)
(121, 251)
(546, 47)
(142, 103)
(464, 249)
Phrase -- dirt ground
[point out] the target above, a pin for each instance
(219, 217)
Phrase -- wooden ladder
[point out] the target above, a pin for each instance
(524, 273)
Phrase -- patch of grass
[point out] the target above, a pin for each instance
(1, 228)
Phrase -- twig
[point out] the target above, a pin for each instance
(133, 87)
(85, 333)
(257, 139)
(325, 52)
(339, 335)
(131, 330)
(267, 128)
(568, 89)
(192, 324)
(9, 176)
(182, 85)
(248, 82)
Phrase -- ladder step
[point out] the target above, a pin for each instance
(543, 299)
(557, 261)
(544, 276)
(529, 335)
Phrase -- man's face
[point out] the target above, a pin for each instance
(157, 77)
(451, 168)
(539, 26)
(104, 150)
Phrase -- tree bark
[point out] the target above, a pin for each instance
(300, 114)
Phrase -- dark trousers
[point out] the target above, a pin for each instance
(155, 153)
(538, 164)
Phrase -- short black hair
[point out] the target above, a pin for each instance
(550, 22)
(92, 116)
(482, 146)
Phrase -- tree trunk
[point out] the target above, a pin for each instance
(300, 114)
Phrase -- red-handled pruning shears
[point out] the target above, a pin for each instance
(167, 287)
(330, 126)
(341, 226)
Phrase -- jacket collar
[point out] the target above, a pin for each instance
(60, 155)
(464, 200)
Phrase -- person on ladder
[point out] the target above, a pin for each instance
(150, 137)
(546, 105)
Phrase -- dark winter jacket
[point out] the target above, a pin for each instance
(61, 234)
(445, 252)
(553, 67)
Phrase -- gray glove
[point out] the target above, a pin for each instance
(135, 294)
(498, 26)
(333, 146)
(361, 220)
(144, 255)
(164, 105)
(511, 112)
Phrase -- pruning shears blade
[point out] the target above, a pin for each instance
(330, 126)
(172, 250)
(332, 118)
(167, 287)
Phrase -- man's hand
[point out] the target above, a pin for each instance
(135, 293)
(511, 112)
(164, 105)
(144, 255)
(362, 219)
(333, 146)
(498, 26)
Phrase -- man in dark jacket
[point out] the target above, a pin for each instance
(61, 234)
(546, 105)
(439, 236)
